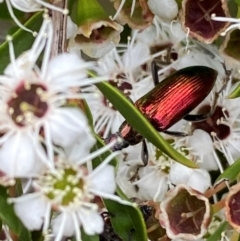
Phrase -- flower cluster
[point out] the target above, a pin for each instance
(81, 107)
(48, 141)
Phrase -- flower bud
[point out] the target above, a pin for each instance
(96, 34)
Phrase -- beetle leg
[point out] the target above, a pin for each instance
(176, 133)
(155, 68)
(144, 156)
(163, 59)
(202, 117)
(144, 153)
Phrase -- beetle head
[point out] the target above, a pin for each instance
(120, 142)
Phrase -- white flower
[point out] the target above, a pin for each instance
(200, 149)
(160, 33)
(200, 54)
(32, 106)
(29, 6)
(151, 181)
(68, 192)
(165, 42)
(124, 69)
(223, 125)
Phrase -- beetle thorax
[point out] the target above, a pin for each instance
(129, 134)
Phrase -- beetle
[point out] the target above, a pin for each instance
(170, 101)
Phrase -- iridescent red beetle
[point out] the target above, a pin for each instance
(170, 101)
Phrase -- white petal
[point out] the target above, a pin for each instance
(24, 63)
(81, 147)
(166, 10)
(92, 221)
(72, 28)
(133, 153)
(18, 156)
(124, 174)
(26, 5)
(97, 50)
(68, 228)
(209, 163)
(148, 35)
(179, 173)
(103, 180)
(117, 121)
(60, 71)
(67, 125)
(199, 180)
(200, 142)
(136, 56)
(155, 183)
(31, 212)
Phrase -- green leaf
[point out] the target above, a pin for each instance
(22, 41)
(86, 12)
(4, 13)
(237, 2)
(233, 7)
(127, 221)
(86, 237)
(99, 159)
(235, 93)
(37, 236)
(179, 3)
(88, 113)
(140, 123)
(217, 234)
(231, 172)
(8, 216)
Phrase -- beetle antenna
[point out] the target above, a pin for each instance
(225, 81)
(228, 73)
(154, 68)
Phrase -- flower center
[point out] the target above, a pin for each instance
(67, 187)
(120, 84)
(215, 123)
(28, 103)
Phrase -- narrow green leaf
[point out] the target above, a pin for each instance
(99, 159)
(140, 123)
(231, 172)
(235, 93)
(217, 235)
(25, 235)
(22, 40)
(127, 221)
(8, 216)
(88, 113)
